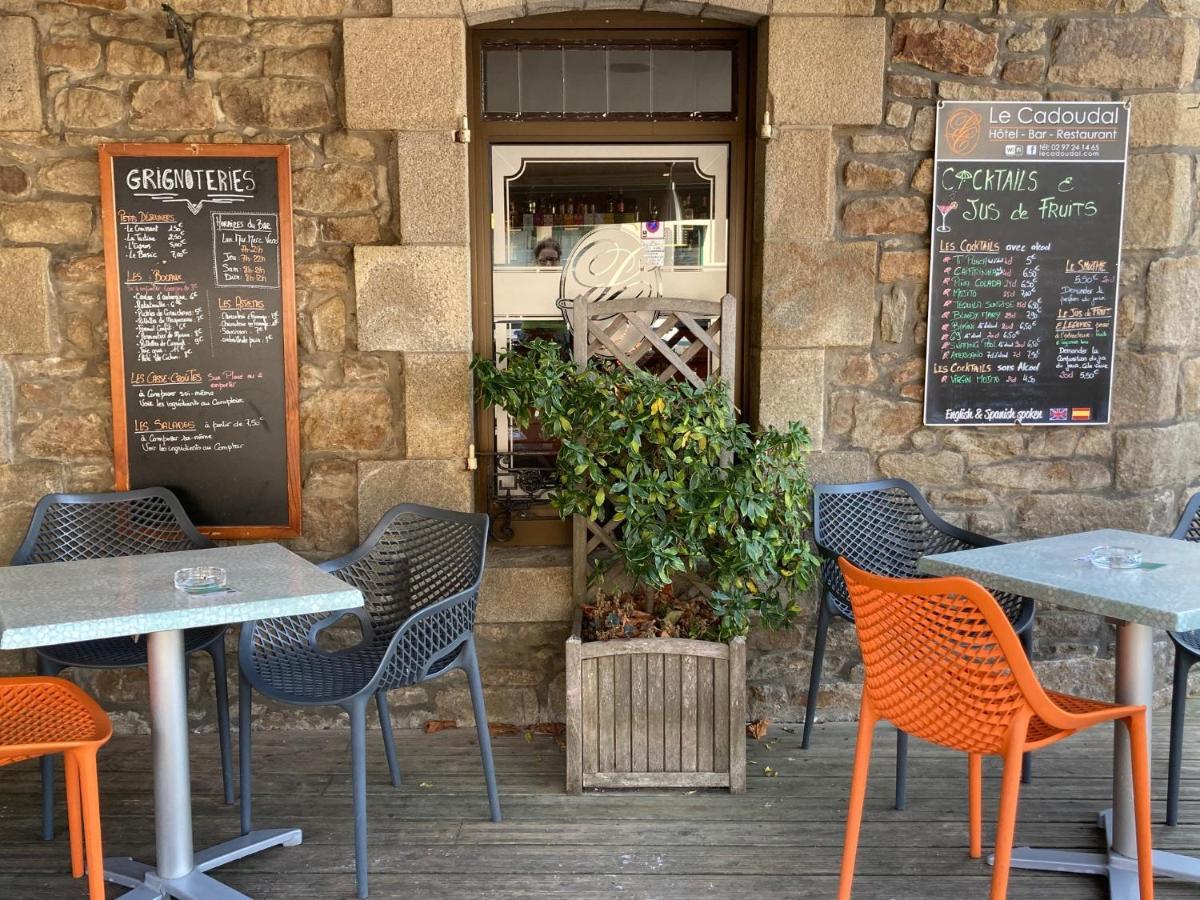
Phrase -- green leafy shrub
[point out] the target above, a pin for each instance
(699, 495)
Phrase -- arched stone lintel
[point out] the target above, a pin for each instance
(742, 12)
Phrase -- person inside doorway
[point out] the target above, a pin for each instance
(548, 252)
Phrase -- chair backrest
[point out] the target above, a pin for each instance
(1188, 527)
(882, 526)
(67, 527)
(942, 660)
(415, 556)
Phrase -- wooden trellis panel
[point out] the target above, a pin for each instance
(674, 338)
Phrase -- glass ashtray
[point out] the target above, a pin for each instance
(200, 579)
(1106, 557)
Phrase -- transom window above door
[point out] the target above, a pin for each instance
(606, 80)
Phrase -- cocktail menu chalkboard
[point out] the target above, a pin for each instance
(1025, 262)
(202, 325)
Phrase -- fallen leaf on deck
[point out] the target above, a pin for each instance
(758, 728)
(529, 737)
(769, 772)
(789, 730)
(435, 725)
(426, 784)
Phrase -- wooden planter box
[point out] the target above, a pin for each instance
(655, 712)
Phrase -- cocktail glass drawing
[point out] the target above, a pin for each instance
(944, 209)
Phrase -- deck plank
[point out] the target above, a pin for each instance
(430, 837)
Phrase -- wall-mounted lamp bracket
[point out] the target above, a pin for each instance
(463, 135)
(179, 28)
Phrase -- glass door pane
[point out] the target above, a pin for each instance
(595, 222)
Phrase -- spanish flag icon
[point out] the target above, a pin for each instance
(1081, 413)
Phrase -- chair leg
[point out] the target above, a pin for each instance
(1006, 826)
(901, 769)
(858, 795)
(220, 677)
(1139, 754)
(471, 664)
(45, 667)
(975, 802)
(89, 783)
(1183, 664)
(74, 817)
(1026, 638)
(358, 765)
(244, 727)
(814, 675)
(389, 740)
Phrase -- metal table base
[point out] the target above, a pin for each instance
(1135, 685)
(180, 873)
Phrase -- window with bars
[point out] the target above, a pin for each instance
(590, 80)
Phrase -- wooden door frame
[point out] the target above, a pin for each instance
(738, 133)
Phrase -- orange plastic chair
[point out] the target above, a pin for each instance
(43, 715)
(944, 664)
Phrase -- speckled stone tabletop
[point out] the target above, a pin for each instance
(57, 603)
(1049, 569)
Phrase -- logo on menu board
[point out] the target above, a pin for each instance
(963, 128)
(193, 185)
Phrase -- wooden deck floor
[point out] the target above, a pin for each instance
(429, 838)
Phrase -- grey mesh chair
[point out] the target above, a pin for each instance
(1187, 654)
(419, 572)
(68, 527)
(884, 527)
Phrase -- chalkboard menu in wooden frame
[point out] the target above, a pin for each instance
(1025, 262)
(202, 330)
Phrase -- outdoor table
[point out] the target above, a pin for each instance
(1138, 601)
(57, 603)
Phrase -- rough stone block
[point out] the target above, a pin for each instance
(334, 189)
(924, 469)
(526, 584)
(404, 74)
(1144, 388)
(1157, 457)
(818, 295)
(839, 466)
(275, 103)
(886, 215)
(800, 197)
(46, 222)
(432, 188)
(1163, 120)
(1158, 201)
(20, 84)
(792, 389)
(437, 405)
(355, 419)
(1140, 52)
(945, 46)
(25, 301)
(827, 70)
(413, 299)
(1172, 314)
(434, 482)
(171, 106)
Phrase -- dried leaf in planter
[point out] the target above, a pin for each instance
(434, 725)
(497, 729)
(758, 728)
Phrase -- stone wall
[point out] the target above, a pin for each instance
(368, 93)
